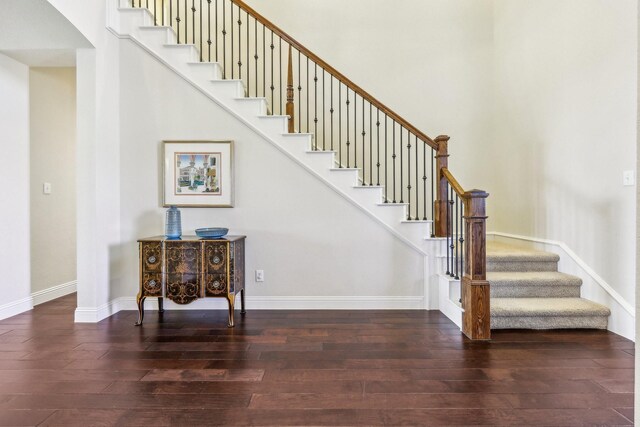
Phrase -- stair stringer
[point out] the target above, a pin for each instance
(297, 147)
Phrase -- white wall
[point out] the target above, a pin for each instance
(309, 240)
(52, 104)
(14, 192)
(565, 128)
(429, 61)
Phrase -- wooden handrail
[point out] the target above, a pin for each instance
(454, 183)
(335, 73)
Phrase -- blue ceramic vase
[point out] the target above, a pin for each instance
(173, 223)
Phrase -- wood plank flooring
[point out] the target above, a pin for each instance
(283, 368)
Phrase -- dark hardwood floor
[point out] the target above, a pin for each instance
(304, 368)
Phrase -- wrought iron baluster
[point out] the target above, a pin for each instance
(448, 272)
(209, 30)
(401, 170)
(355, 129)
(178, 20)
(386, 169)
(370, 144)
(324, 129)
(264, 67)
(231, 24)
(255, 51)
(452, 222)
(240, 44)
(193, 22)
(348, 143)
(280, 88)
(378, 144)
(155, 13)
(433, 205)
(315, 105)
(224, 40)
(315, 142)
(339, 124)
(424, 184)
(394, 160)
(273, 103)
(299, 94)
(331, 110)
(458, 237)
(364, 134)
(461, 240)
(200, 14)
(417, 181)
(215, 9)
(409, 176)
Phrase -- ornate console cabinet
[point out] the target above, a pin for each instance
(189, 268)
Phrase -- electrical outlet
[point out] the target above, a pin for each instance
(46, 188)
(628, 178)
(259, 275)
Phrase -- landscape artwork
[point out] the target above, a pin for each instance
(198, 173)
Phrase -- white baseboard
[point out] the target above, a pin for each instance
(25, 304)
(594, 287)
(54, 292)
(16, 307)
(96, 314)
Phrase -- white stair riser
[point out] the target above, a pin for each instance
(271, 125)
(203, 72)
(129, 20)
(319, 160)
(250, 106)
(415, 230)
(179, 54)
(296, 144)
(225, 90)
(154, 37)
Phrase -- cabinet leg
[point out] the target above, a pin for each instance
(231, 299)
(242, 310)
(160, 305)
(140, 301)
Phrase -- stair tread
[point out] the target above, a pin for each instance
(532, 278)
(546, 307)
(502, 252)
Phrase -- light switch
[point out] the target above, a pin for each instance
(628, 178)
(46, 188)
(259, 275)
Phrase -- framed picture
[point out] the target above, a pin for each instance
(198, 173)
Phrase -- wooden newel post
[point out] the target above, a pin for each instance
(440, 208)
(290, 106)
(476, 319)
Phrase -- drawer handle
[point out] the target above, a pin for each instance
(152, 259)
(217, 285)
(152, 283)
(216, 260)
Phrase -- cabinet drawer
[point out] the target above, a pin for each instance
(152, 284)
(182, 257)
(215, 257)
(216, 284)
(183, 288)
(151, 257)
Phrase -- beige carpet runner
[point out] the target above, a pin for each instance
(528, 292)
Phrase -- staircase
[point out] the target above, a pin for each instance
(528, 292)
(359, 147)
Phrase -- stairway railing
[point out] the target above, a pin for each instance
(387, 150)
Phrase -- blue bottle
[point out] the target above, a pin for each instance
(173, 223)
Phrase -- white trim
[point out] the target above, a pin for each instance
(594, 287)
(16, 307)
(93, 315)
(96, 314)
(54, 292)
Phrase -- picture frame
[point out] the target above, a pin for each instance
(198, 174)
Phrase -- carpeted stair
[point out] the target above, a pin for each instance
(528, 292)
